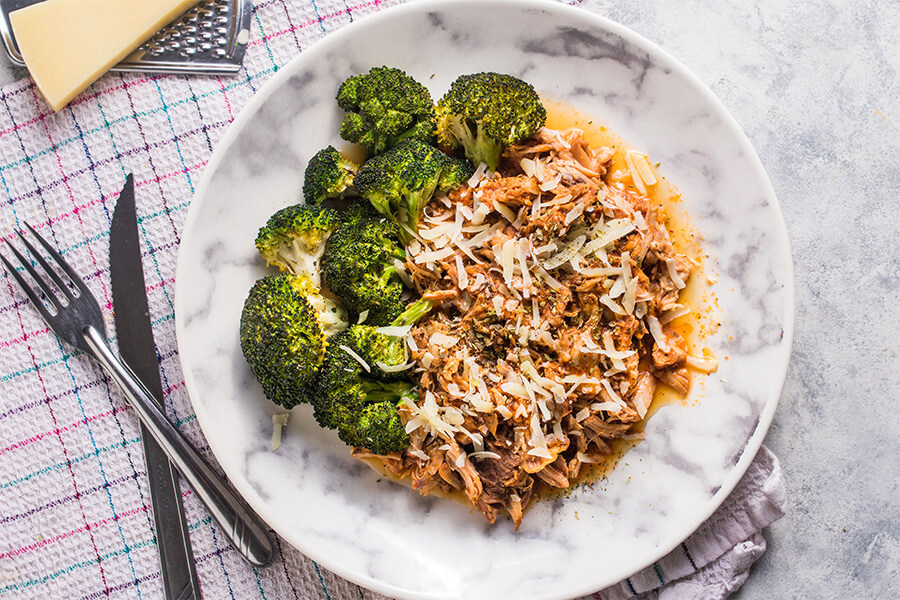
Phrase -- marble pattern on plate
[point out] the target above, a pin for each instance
(381, 534)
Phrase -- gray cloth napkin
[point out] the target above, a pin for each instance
(716, 559)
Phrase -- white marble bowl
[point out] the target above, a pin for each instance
(380, 534)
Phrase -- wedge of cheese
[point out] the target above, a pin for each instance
(69, 44)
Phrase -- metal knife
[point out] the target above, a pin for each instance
(136, 346)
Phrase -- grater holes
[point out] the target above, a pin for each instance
(204, 33)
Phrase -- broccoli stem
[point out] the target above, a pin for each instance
(387, 275)
(380, 391)
(414, 312)
(392, 249)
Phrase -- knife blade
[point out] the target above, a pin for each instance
(131, 314)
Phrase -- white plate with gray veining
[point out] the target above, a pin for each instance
(380, 534)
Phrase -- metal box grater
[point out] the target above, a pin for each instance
(209, 38)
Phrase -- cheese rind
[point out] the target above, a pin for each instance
(69, 44)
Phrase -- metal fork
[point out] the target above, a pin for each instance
(76, 318)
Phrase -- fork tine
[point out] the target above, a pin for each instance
(32, 295)
(48, 292)
(73, 276)
(39, 257)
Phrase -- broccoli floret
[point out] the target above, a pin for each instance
(374, 348)
(485, 112)
(362, 404)
(377, 348)
(358, 265)
(282, 338)
(361, 408)
(380, 429)
(384, 107)
(294, 239)
(400, 182)
(328, 175)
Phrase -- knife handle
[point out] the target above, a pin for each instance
(176, 558)
(244, 529)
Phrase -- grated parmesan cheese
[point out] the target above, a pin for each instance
(505, 211)
(656, 331)
(673, 313)
(609, 303)
(673, 273)
(514, 389)
(545, 248)
(612, 393)
(403, 273)
(461, 275)
(635, 174)
(484, 454)
(526, 275)
(708, 363)
(481, 211)
(428, 416)
(436, 232)
(538, 440)
(592, 271)
(565, 254)
(443, 340)
(394, 330)
(573, 214)
(536, 208)
(418, 454)
(527, 166)
(642, 404)
(581, 456)
(478, 175)
(608, 236)
(435, 255)
(278, 423)
(610, 407)
(551, 184)
(643, 167)
(546, 415)
(393, 368)
(356, 357)
(504, 412)
(630, 297)
(507, 255)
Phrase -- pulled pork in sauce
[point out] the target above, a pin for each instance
(554, 280)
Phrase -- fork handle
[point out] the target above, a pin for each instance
(244, 529)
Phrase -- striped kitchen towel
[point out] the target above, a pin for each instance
(74, 506)
(716, 559)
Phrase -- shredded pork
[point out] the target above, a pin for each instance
(554, 281)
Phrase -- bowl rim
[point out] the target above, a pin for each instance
(588, 19)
